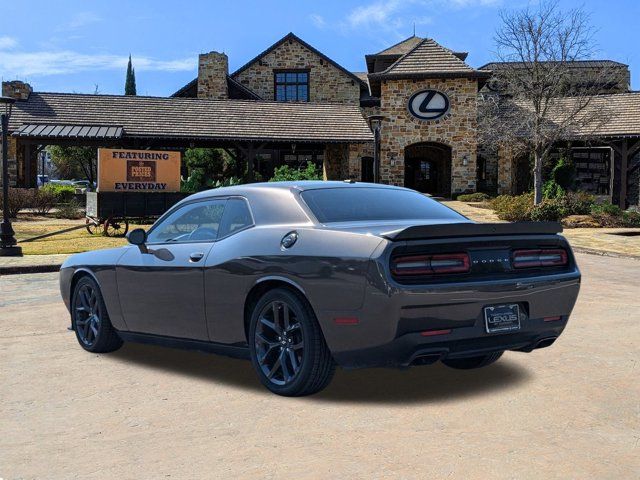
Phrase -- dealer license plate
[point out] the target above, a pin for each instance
(502, 318)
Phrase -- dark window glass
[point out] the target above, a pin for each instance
(236, 217)
(371, 204)
(292, 86)
(196, 222)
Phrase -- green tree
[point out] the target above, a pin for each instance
(286, 173)
(75, 162)
(130, 82)
(205, 167)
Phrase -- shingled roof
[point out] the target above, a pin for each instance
(402, 47)
(192, 118)
(494, 66)
(620, 112)
(430, 59)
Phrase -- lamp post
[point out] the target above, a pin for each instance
(8, 242)
(376, 122)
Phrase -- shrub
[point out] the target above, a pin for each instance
(551, 210)
(43, 201)
(473, 197)
(63, 193)
(563, 174)
(551, 189)
(606, 209)
(69, 210)
(287, 173)
(578, 203)
(631, 218)
(19, 199)
(512, 208)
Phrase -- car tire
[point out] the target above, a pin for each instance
(90, 320)
(473, 362)
(288, 350)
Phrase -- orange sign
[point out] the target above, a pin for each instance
(138, 170)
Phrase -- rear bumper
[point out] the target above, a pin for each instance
(390, 326)
(416, 349)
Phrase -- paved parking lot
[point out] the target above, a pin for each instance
(569, 411)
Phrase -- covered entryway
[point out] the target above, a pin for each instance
(427, 168)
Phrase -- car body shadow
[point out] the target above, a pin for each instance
(432, 383)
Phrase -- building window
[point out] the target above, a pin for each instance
(292, 86)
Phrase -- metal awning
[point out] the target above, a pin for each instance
(69, 131)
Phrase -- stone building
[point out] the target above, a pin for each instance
(292, 104)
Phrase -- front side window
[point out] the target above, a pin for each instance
(196, 222)
(292, 86)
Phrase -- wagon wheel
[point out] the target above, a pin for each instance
(116, 227)
(93, 226)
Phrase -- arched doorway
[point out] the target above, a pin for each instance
(427, 168)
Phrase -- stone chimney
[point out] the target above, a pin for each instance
(16, 89)
(213, 68)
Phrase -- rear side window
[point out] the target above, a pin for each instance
(237, 216)
(358, 204)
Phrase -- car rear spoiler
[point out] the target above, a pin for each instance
(473, 230)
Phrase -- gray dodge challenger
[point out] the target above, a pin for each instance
(303, 276)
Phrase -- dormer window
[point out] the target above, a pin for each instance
(292, 86)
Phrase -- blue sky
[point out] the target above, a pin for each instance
(74, 45)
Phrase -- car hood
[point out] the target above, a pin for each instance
(109, 256)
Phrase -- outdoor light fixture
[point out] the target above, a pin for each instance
(8, 242)
(465, 160)
(375, 121)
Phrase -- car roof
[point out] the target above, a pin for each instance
(301, 185)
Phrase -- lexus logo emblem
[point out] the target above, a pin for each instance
(428, 104)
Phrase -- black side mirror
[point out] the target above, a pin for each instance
(138, 237)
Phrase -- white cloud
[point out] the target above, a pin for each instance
(82, 19)
(379, 12)
(7, 43)
(318, 20)
(23, 64)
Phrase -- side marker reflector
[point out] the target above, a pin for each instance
(431, 333)
(552, 319)
(346, 321)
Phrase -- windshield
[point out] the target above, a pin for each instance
(360, 204)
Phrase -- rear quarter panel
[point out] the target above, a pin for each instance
(328, 267)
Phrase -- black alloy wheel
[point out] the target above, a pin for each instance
(279, 342)
(287, 349)
(90, 319)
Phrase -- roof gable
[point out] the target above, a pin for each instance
(428, 57)
(292, 37)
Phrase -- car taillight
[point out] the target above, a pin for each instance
(430, 264)
(552, 257)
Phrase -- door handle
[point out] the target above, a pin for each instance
(196, 256)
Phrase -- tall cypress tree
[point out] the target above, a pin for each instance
(130, 82)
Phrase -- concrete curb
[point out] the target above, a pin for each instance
(20, 269)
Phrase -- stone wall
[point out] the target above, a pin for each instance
(213, 68)
(326, 82)
(457, 129)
